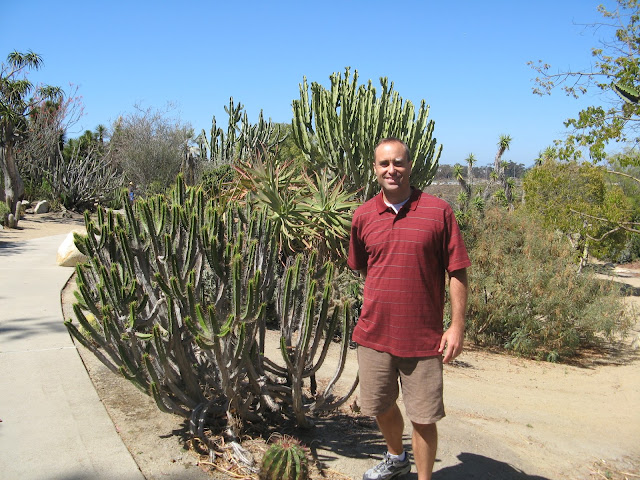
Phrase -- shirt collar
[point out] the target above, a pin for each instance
(411, 204)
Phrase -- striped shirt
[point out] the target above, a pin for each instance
(406, 256)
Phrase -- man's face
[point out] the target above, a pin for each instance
(392, 168)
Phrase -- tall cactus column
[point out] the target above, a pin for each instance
(339, 128)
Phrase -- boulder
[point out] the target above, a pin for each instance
(42, 207)
(68, 253)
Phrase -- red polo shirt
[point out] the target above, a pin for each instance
(406, 255)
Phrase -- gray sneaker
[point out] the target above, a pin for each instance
(388, 469)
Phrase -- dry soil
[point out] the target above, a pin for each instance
(507, 418)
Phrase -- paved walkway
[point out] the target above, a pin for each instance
(53, 423)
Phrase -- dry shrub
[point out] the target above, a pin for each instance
(526, 295)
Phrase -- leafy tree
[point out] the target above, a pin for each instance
(288, 150)
(617, 63)
(570, 197)
(149, 146)
(37, 152)
(15, 108)
(445, 172)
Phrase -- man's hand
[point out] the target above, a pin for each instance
(453, 340)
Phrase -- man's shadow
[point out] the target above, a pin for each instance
(477, 467)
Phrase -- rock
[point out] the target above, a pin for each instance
(42, 207)
(68, 253)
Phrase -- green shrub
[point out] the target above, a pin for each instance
(4, 211)
(156, 188)
(217, 179)
(526, 295)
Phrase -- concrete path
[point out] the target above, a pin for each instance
(53, 423)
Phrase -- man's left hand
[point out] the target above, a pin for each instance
(453, 340)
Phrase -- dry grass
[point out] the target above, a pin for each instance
(629, 469)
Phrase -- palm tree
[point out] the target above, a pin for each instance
(503, 145)
(101, 131)
(471, 159)
(15, 108)
(546, 155)
(504, 142)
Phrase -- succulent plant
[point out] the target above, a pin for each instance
(340, 126)
(286, 459)
(174, 297)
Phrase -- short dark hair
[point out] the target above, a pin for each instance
(393, 140)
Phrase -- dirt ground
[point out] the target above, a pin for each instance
(507, 418)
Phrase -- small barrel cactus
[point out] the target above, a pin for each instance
(286, 459)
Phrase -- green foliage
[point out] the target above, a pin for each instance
(239, 143)
(217, 179)
(614, 75)
(307, 210)
(572, 197)
(16, 104)
(339, 128)
(149, 146)
(4, 211)
(525, 295)
(156, 188)
(288, 151)
(286, 459)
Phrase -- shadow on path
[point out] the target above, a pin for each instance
(477, 467)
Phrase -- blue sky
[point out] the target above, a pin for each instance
(466, 59)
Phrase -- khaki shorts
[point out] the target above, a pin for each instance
(420, 378)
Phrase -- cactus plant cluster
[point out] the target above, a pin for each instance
(286, 459)
(339, 128)
(179, 291)
(240, 142)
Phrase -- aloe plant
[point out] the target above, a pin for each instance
(309, 210)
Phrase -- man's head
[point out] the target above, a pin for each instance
(392, 167)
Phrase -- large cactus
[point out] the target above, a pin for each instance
(180, 291)
(240, 142)
(340, 127)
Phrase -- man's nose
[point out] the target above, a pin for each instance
(392, 169)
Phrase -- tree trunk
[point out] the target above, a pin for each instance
(13, 185)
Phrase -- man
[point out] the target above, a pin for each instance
(403, 241)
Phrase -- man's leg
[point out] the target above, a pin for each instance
(425, 444)
(391, 426)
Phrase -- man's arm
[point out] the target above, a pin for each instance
(453, 338)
